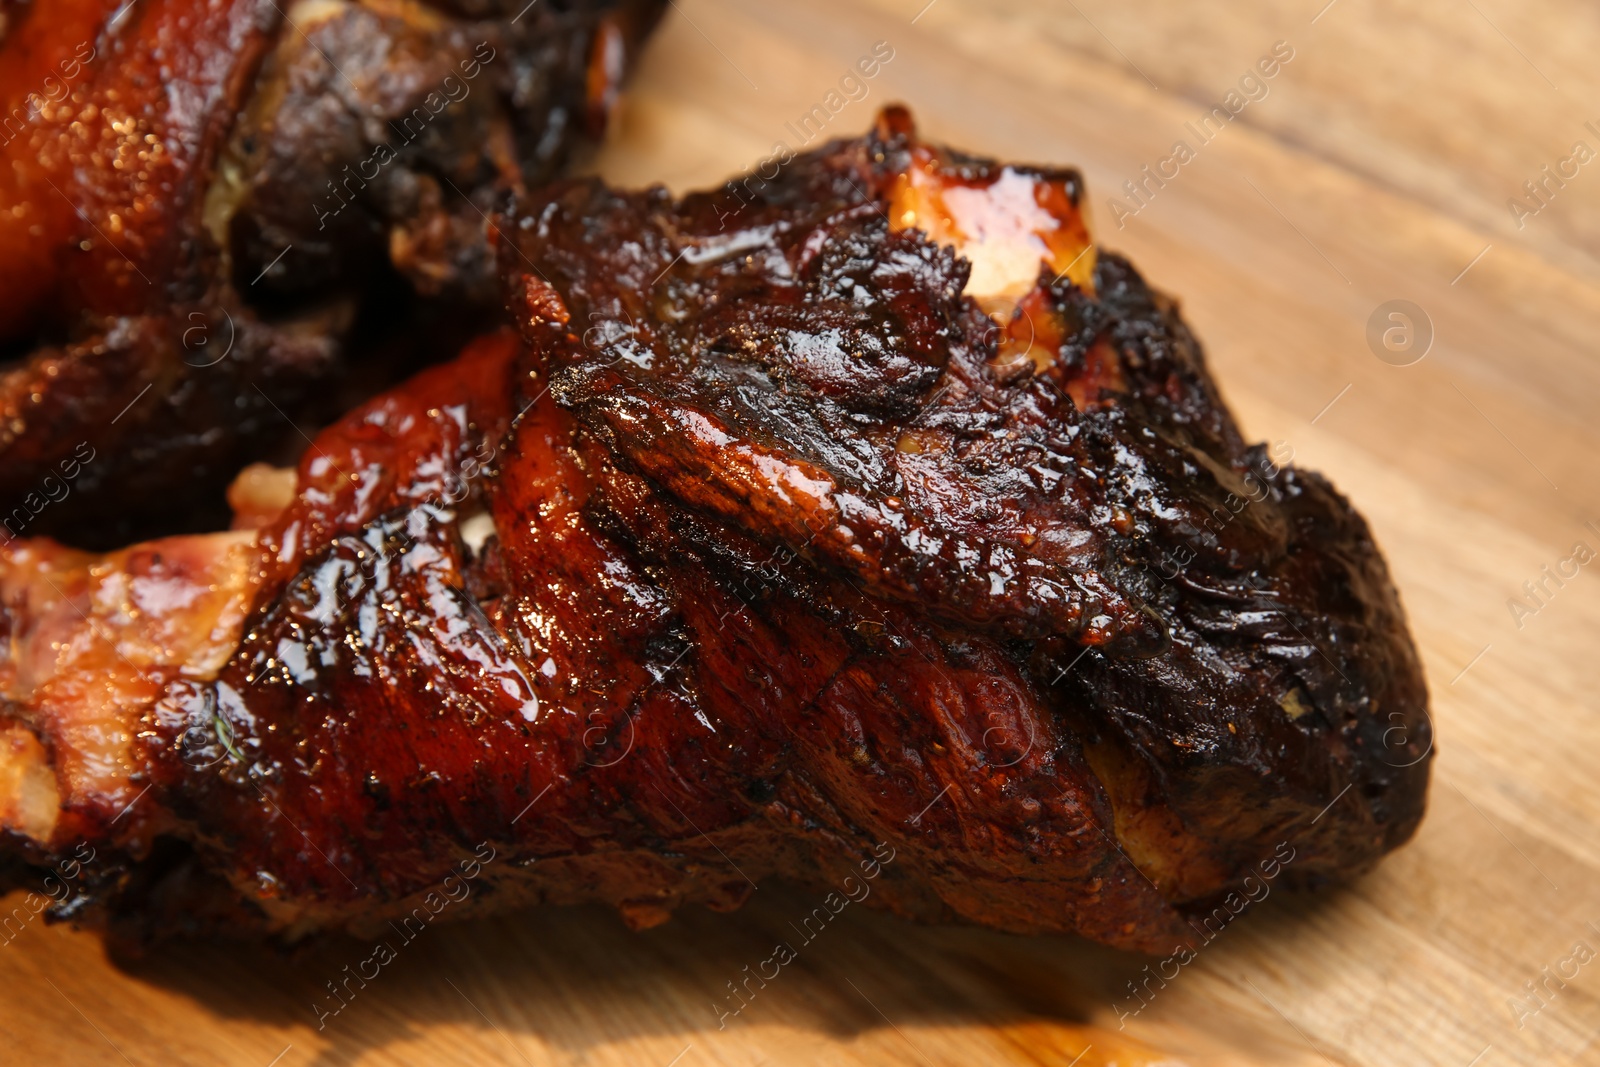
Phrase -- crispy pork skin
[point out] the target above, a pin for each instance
(861, 519)
(199, 200)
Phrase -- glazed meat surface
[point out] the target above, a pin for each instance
(203, 199)
(860, 516)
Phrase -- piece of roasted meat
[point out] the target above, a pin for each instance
(859, 522)
(199, 200)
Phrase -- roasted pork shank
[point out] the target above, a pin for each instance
(859, 519)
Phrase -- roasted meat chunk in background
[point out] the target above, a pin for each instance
(199, 199)
(862, 520)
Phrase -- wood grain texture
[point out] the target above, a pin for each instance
(1377, 167)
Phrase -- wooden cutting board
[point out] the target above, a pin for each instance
(1375, 165)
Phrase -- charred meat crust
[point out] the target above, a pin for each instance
(803, 371)
(772, 546)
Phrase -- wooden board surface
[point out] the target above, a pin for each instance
(1377, 166)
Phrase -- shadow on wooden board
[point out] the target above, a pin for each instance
(579, 979)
